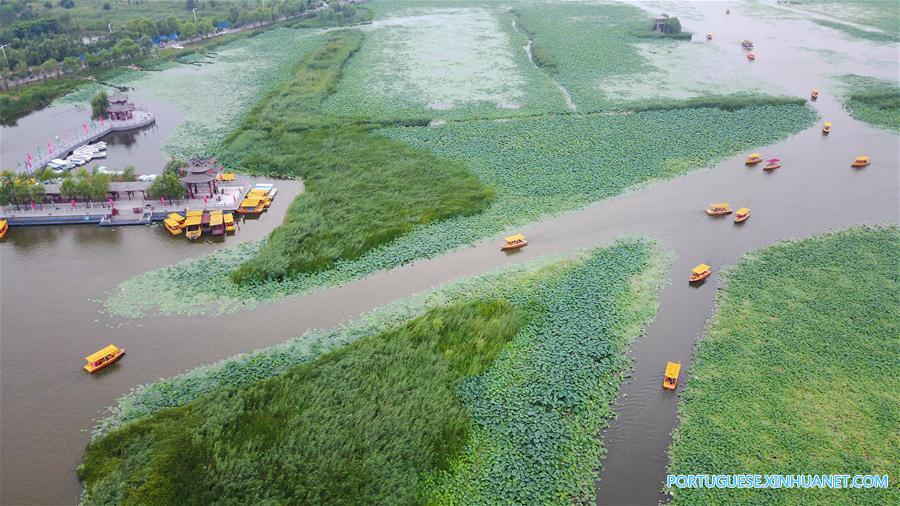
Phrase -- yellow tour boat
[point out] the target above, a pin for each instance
(708, 36)
(174, 223)
(753, 159)
(718, 209)
(700, 273)
(747, 44)
(216, 223)
(103, 358)
(742, 214)
(514, 242)
(826, 127)
(861, 161)
(4, 228)
(262, 195)
(814, 94)
(251, 205)
(751, 56)
(229, 222)
(673, 369)
(193, 226)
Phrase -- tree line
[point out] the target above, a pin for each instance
(51, 42)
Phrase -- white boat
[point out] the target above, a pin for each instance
(99, 154)
(146, 178)
(78, 161)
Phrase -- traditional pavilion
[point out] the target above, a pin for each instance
(119, 107)
(200, 178)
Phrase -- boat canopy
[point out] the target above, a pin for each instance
(743, 210)
(109, 350)
(193, 221)
(720, 205)
(227, 176)
(229, 218)
(195, 212)
(175, 217)
(700, 269)
(672, 369)
(862, 158)
(828, 123)
(514, 238)
(755, 155)
(250, 202)
(215, 218)
(172, 223)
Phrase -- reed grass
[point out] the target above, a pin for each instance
(363, 190)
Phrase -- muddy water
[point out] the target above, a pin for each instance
(50, 277)
(50, 280)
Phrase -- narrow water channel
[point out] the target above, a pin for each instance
(51, 279)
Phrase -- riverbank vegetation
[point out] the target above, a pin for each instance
(19, 101)
(797, 373)
(362, 190)
(430, 399)
(874, 101)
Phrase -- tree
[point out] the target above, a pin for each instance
(68, 187)
(71, 64)
(126, 47)
(173, 165)
(99, 104)
(106, 6)
(167, 185)
(128, 174)
(36, 192)
(66, 4)
(7, 187)
(99, 186)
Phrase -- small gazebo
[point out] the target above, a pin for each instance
(119, 107)
(199, 173)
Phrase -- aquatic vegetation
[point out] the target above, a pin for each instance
(591, 43)
(874, 101)
(22, 100)
(214, 96)
(797, 372)
(881, 15)
(569, 319)
(363, 190)
(858, 32)
(442, 63)
(538, 410)
(538, 166)
(359, 425)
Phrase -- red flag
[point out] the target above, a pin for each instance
(32, 205)
(163, 199)
(101, 120)
(73, 203)
(29, 156)
(49, 147)
(84, 125)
